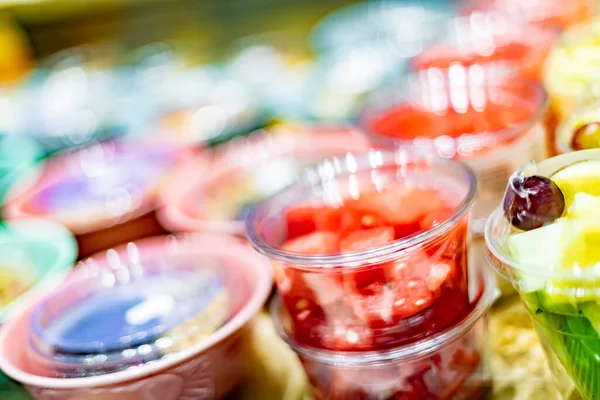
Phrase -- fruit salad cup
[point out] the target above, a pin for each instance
(448, 365)
(544, 239)
(245, 171)
(106, 193)
(555, 13)
(485, 117)
(570, 69)
(491, 38)
(370, 251)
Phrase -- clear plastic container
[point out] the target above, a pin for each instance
(560, 298)
(572, 65)
(486, 117)
(490, 38)
(243, 172)
(74, 98)
(371, 295)
(447, 365)
(577, 131)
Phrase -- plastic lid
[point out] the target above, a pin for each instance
(98, 185)
(135, 305)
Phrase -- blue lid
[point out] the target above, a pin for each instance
(127, 312)
(127, 315)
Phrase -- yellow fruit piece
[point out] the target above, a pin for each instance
(582, 177)
(585, 209)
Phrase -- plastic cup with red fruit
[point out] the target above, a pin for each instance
(491, 38)
(370, 251)
(559, 13)
(485, 116)
(447, 365)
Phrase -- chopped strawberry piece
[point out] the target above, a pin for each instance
(367, 238)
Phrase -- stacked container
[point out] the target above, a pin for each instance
(376, 294)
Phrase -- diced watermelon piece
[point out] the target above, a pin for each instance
(404, 288)
(367, 238)
(316, 243)
(404, 230)
(398, 205)
(300, 221)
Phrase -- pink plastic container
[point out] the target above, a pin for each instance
(193, 367)
(245, 171)
(105, 193)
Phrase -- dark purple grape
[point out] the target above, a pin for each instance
(531, 202)
(586, 137)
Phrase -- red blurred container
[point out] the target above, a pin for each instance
(447, 365)
(244, 171)
(105, 193)
(386, 294)
(491, 38)
(486, 117)
(558, 13)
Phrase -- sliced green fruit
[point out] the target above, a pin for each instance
(582, 177)
(538, 251)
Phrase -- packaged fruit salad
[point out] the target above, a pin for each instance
(545, 240)
(572, 65)
(447, 365)
(370, 251)
(581, 130)
(484, 116)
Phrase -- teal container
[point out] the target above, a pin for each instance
(34, 254)
(19, 164)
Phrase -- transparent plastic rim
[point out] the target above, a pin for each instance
(337, 167)
(407, 352)
(546, 168)
(428, 143)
